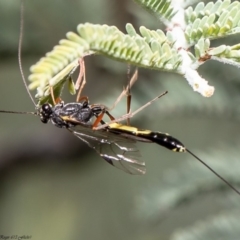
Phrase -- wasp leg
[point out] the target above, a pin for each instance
(125, 90)
(57, 100)
(145, 105)
(110, 116)
(81, 81)
(100, 117)
(98, 120)
(83, 99)
(129, 95)
(124, 117)
(130, 115)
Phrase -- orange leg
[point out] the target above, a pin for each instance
(57, 100)
(126, 90)
(83, 98)
(127, 116)
(110, 116)
(81, 81)
(98, 120)
(129, 98)
(130, 115)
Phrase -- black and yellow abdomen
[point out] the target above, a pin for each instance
(165, 140)
(162, 139)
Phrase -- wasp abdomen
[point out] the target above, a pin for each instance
(166, 140)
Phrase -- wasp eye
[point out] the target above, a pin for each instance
(44, 120)
(46, 108)
(45, 112)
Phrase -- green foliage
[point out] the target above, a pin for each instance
(56, 67)
(162, 9)
(152, 49)
(212, 21)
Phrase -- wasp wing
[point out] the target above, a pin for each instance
(117, 150)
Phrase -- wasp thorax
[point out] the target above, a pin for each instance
(45, 112)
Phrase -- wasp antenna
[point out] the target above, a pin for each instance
(20, 51)
(17, 112)
(219, 176)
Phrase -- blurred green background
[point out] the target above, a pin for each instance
(54, 187)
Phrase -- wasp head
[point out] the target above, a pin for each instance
(45, 112)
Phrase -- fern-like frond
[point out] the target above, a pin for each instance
(226, 54)
(201, 48)
(54, 68)
(213, 20)
(163, 9)
(151, 49)
(223, 53)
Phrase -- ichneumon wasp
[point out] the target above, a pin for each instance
(113, 141)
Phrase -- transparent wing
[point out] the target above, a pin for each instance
(117, 150)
